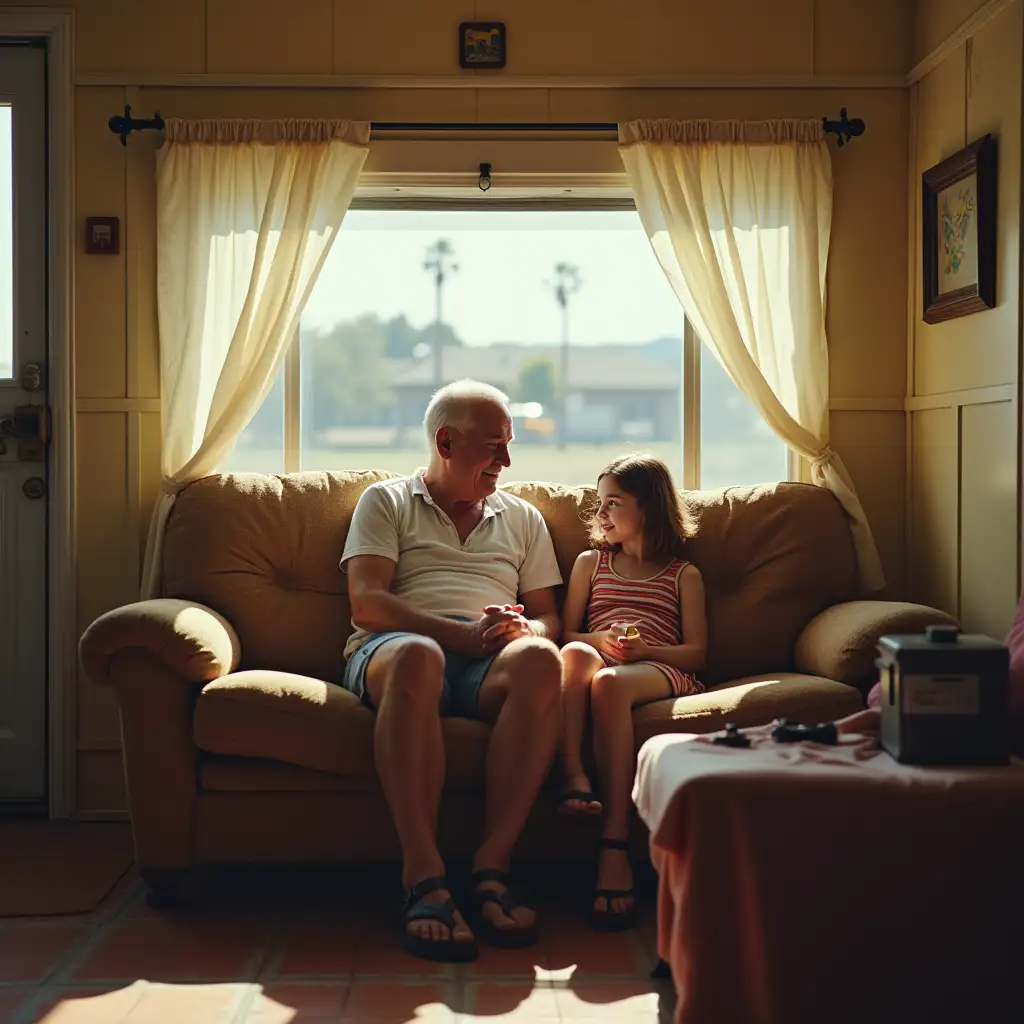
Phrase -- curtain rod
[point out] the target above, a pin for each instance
(494, 126)
(123, 125)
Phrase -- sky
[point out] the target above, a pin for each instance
(501, 291)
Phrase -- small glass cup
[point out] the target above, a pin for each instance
(627, 629)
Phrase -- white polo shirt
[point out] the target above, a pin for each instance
(508, 553)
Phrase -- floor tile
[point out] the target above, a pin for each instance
(397, 1004)
(299, 1001)
(509, 1003)
(380, 952)
(105, 1005)
(290, 1004)
(11, 999)
(321, 947)
(589, 952)
(262, 954)
(196, 911)
(647, 930)
(525, 963)
(29, 950)
(196, 1004)
(633, 1001)
(175, 951)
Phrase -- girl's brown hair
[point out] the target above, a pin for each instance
(664, 523)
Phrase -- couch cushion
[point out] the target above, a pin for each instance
(755, 700)
(772, 558)
(315, 724)
(279, 717)
(218, 773)
(567, 512)
(264, 551)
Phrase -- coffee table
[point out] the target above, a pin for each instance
(804, 883)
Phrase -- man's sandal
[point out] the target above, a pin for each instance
(419, 908)
(609, 920)
(516, 937)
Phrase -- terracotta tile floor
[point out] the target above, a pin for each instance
(289, 946)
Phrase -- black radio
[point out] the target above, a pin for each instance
(944, 697)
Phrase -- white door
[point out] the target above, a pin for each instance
(23, 400)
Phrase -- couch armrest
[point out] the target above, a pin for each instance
(840, 643)
(157, 655)
(189, 639)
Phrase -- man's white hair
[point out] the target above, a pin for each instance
(452, 406)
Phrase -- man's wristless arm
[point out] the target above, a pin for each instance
(384, 612)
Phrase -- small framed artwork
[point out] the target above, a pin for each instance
(482, 44)
(958, 214)
(101, 236)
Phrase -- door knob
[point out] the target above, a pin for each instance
(34, 487)
(32, 377)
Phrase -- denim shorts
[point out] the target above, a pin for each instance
(460, 687)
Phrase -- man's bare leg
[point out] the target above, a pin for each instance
(404, 679)
(520, 695)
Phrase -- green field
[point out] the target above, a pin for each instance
(723, 465)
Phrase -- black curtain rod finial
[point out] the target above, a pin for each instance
(124, 125)
(844, 129)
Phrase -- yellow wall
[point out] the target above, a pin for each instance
(963, 374)
(138, 50)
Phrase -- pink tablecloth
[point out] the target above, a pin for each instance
(832, 884)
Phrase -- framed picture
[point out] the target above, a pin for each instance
(101, 236)
(958, 213)
(482, 44)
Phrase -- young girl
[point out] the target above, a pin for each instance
(636, 631)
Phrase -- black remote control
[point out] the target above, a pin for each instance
(784, 731)
(732, 737)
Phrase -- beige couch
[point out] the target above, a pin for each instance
(240, 746)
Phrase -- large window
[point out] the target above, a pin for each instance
(565, 310)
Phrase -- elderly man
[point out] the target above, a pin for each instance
(453, 604)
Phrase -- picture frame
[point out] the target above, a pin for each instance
(958, 228)
(482, 44)
(102, 236)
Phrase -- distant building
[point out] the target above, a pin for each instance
(617, 392)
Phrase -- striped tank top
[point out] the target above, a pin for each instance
(652, 604)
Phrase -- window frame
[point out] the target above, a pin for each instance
(426, 197)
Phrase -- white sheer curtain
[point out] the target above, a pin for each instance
(739, 216)
(247, 212)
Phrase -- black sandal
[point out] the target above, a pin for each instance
(609, 920)
(419, 908)
(584, 796)
(502, 938)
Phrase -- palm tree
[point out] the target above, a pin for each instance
(440, 262)
(566, 283)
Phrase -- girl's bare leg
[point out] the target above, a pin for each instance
(581, 662)
(867, 722)
(614, 692)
